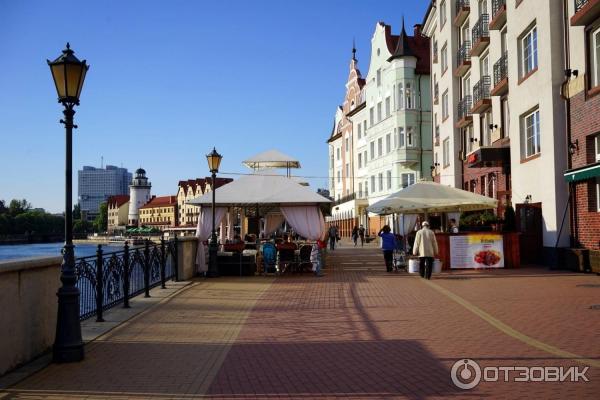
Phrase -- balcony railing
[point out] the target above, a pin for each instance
(501, 69)
(436, 93)
(481, 29)
(463, 8)
(107, 279)
(344, 199)
(464, 107)
(481, 90)
(579, 4)
(463, 57)
(497, 6)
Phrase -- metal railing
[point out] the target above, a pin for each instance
(462, 4)
(481, 28)
(463, 55)
(497, 5)
(579, 4)
(464, 107)
(434, 56)
(107, 279)
(501, 69)
(344, 199)
(481, 90)
(436, 92)
(437, 135)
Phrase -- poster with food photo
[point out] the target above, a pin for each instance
(477, 251)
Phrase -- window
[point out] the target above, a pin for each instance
(359, 131)
(388, 143)
(389, 180)
(379, 147)
(485, 120)
(410, 139)
(444, 57)
(442, 13)
(408, 179)
(347, 170)
(594, 57)
(529, 57)
(331, 161)
(379, 77)
(597, 146)
(446, 153)
(445, 105)
(365, 158)
(359, 160)
(372, 150)
(339, 176)
(410, 104)
(388, 110)
(360, 189)
(504, 111)
(347, 144)
(400, 97)
(365, 127)
(380, 176)
(400, 137)
(379, 112)
(531, 134)
(371, 116)
(366, 189)
(372, 183)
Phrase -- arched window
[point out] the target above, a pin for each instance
(409, 103)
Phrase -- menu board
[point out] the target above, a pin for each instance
(477, 251)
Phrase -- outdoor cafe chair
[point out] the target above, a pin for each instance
(269, 258)
(304, 263)
(286, 260)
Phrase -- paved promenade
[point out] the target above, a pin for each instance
(357, 333)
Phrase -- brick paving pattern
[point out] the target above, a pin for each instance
(358, 333)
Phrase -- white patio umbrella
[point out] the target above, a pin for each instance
(429, 197)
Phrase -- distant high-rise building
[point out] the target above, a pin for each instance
(96, 185)
(139, 195)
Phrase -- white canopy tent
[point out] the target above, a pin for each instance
(272, 159)
(428, 197)
(277, 196)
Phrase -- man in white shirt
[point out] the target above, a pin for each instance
(426, 248)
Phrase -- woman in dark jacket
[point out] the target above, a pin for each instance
(388, 244)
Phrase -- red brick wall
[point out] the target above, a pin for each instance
(585, 124)
(502, 183)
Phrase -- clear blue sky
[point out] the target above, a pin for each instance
(171, 79)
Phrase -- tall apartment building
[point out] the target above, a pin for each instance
(499, 120)
(583, 137)
(96, 185)
(381, 141)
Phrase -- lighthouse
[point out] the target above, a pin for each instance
(139, 194)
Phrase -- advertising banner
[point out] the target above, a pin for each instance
(483, 250)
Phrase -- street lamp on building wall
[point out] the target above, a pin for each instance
(214, 160)
(68, 74)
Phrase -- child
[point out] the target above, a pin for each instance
(315, 259)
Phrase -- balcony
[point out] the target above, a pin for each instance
(498, 14)
(464, 112)
(436, 94)
(500, 76)
(481, 95)
(463, 57)
(586, 12)
(463, 9)
(480, 35)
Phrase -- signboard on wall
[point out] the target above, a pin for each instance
(476, 250)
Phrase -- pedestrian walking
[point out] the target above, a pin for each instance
(426, 248)
(361, 234)
(355, 235)
(333, 235)
(388, 244)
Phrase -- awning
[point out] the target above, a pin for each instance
(489, 157)
(582, 173)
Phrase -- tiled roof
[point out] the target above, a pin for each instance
(161, 201)
(118, 200)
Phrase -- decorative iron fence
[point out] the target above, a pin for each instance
(497, 6)
(464, 107)
(481, 90)
(501, 69)
(579, 4)
(481, 28)
(464, 53)
(107, 279)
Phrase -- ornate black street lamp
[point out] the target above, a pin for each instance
(214, 160)
(68, 74)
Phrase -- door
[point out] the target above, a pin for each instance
(529, 224)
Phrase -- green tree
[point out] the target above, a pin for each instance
(101, 221)
(82, 226)
(17, 207)
(77, 212)
(3, 209)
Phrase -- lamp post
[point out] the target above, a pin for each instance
(214, 160)
(68, 74)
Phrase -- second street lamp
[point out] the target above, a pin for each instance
(214, 160)
(68, 74)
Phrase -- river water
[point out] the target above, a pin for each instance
(16, 251)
